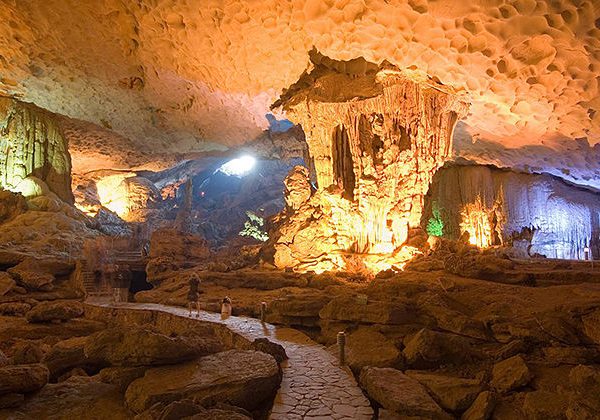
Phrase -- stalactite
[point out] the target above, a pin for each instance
(32, 147)
(376, 140)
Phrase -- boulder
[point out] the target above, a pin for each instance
(591, 325)
(352, 309)
(6, 283)
(451, 393)
(137, 346)
(22, 378)
(429, 349)
(246, 379)
(33, 280)
(399, 393)
(54, 266)
(482, 407)
(40, 274)
(60, 310)
(14, 308)
(121, 376)
(368, 347)
(545, 405)
(297, 307)
(66, 355)
(79, 397)
(510, 374)
(274, 349)
(26, 352)
(585, 385)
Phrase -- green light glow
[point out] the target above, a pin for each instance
(435, 225)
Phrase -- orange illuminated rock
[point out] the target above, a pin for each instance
(375, 139)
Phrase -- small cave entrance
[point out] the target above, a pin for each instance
(343, 164)
(138, 281)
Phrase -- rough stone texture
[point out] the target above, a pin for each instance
(11, 205)
(431, 349)
(138, 346)
(11, 400)
(33, 280)
(243, 378)
(399, 393)
(171, 250)
(375, 141)
(297, 188)
(32, 147)
(510, 374)
(55, 311)
(368, 347)
(591, 325)
(545, 405)
(76, 398)
(22, 378)
(3, 359)
(121, 376)
(353, 309)
(452, 393)
(6, 283)
(14, 308)
(482, 407)
(66, 355)
(26, 352)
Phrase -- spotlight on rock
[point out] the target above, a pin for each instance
(239, 166)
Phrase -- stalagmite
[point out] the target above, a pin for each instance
(33, 151)
(376, 136)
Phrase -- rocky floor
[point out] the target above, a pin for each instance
(523, 343)
(314, 385)
(69, 360)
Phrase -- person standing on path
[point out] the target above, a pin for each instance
(194, 294)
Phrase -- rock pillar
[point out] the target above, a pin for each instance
(376, 136)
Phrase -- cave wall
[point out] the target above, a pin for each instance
(558, 219)
(33, 148)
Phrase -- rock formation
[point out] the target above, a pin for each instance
(536, 214)
(375, 139)
(33, 151)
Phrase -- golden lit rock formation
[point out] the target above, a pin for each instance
(34, 154)
(375, 138)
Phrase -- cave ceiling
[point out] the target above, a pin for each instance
(174, 77)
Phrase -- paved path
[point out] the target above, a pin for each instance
(314, 385)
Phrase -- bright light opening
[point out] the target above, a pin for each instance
(238, 167)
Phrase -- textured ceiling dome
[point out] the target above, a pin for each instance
(181, 76)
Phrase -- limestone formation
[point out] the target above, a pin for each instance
(139, 347)
(375, 141)
(399, 393)
(22, 378)
(246, 379)
(510, 374)
(33, 151)
(54, 311)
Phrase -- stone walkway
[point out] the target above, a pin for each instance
(314, 385)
